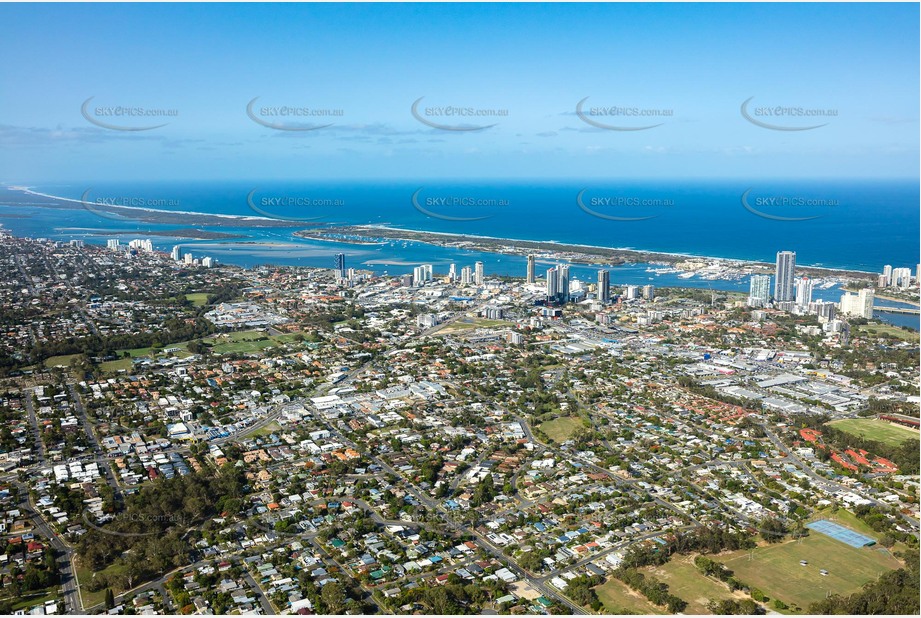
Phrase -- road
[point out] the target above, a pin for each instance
(328, 556)
(64, 553)
(100, 456)
(267, 608)
(69, 588)
(36, 433)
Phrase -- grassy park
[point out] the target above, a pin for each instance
(199, 299)
(561, 429)
(887, 330)
(776, 569)
(873, 429)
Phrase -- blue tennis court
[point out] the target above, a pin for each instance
(840, 533)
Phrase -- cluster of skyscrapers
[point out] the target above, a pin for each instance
(145, 245)
(794, 294)
(898, 277)
(468, 276)
(558, 284)
(138, 244)
(345, 276)
(561, 289)
(190, 260)
(791, 293)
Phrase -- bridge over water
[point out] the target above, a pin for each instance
(908, 310)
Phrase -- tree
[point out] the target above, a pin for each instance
(773, 530)
(531, 561)
(333, 595)
(485, 491)
(110, 598)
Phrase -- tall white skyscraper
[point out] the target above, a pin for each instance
(466, 275)
(419, 276)
(113, 244)
(553, 289)
(649, 291)
(865, 302)
(604, 286)
(531, 277)
(785, 276)
(803, 292)
(478, 273)
(176, 254)
(452, 273)
(860, 304)
(887, 272)
(901, 277)
(759, 291)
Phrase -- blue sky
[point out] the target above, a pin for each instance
(700, 62)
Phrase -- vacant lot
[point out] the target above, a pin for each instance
(116, 365)
(873, 429)
(268, 429)
(244, 347)
(31, 599)
(59, 361)
(686, 582)
(470, 324)
(247, 341)
(84, 576)
(561, 429)
(776, 569)
(199, 299)
(619, 598)
(887, 330)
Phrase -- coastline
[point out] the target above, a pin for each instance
(581, 254)
(156, 215)
(575, 252)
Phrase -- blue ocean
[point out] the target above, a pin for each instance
(857, 225)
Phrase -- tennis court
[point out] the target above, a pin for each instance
(840, 533)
